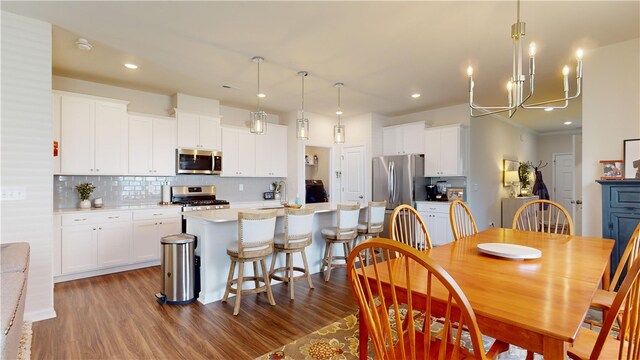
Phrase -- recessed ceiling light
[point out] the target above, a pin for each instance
(415, 96)
(131, 66)
(548, 109)
(261, 95)
(567, 123)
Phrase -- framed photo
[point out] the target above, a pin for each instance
(455, 193)
(632, 159)
(611, 169)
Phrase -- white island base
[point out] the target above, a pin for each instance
(216, 229)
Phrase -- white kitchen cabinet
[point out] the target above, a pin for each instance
(152, 145)
(436, 219)
(93, 136)
(149, 226)
(271, 152)
(91, 241)
(196, 131)
(403, 139)
(239, 151)
(445, 151)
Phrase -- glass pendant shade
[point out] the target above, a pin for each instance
(302, 128)
(258, 122)
(338, 134)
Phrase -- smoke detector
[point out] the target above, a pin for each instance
(83, 44)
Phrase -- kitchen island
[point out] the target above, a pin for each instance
(216, 229)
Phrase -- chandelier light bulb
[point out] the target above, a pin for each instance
(532, 49)
(262, 95)
(579, 54)
(509, 85)
(565, 70)
(469, 71)
(339, 112)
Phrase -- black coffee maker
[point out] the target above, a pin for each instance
(431, 192)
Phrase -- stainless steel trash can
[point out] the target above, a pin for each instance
(177, 264)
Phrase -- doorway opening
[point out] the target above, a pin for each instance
(317, 173)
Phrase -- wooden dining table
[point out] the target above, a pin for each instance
(537, 304)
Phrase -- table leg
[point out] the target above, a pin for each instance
(363, 337)
(554, 348)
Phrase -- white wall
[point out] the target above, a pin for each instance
(139, 101)
(493, 140)
(457, 114)
(196, 104)
(610, 114)
(26, 152)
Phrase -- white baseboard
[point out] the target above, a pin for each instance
(86, 274)
(39, 315)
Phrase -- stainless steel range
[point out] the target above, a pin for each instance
(197, 198)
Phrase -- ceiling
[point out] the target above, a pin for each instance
(382, 51)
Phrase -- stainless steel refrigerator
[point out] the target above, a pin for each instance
(398, 180)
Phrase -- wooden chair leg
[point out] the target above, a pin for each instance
(236, 308)
(327, 274)
(267, 282)
(232, 269)
(326, 255)
(530, 355)
(255, 274)
(273, 263)
(290, 266)
(306, 268)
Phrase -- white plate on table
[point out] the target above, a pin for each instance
(510, 251)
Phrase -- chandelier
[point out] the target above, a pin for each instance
(515, 86)
(338, 130)
(302, 123)
(258, 118)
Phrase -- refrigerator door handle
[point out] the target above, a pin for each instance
(395, 185)
(389, 184)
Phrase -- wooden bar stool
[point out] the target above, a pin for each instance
(374, 222)
(255, 241)
(297, 236)
(344, 233)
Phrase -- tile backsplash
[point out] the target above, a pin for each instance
(145, 190)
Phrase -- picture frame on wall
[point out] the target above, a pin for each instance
(632, 159)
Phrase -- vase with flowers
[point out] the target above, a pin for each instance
(84, 191)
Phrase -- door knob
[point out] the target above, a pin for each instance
(579, 202)
(360, 197)
(573, 201)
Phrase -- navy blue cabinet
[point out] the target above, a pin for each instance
(620, 213)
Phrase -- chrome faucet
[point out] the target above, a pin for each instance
(283, 197)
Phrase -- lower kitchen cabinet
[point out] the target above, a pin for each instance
(148, 228)
(96, 243)
(436, 218)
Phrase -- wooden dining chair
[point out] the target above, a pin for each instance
(543, 216)
(462, 222)
(451, 308)
(625, 343)
(408, 228)
(603, 298)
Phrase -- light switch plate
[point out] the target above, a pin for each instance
(14, 193)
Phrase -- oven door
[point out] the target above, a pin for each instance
(190, 161)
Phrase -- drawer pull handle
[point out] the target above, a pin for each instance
(157, 214)
(113, 217)
(83, 219)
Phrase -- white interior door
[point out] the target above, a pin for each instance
(577, 205)
(563, 181)
(353, 174)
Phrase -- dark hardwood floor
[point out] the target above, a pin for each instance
(117, 317)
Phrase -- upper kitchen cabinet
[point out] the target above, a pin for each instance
(271, 152)
(93, 135)
(445, 151)
(403, 139)
(238, 149)
(197, 131)
(152, 145)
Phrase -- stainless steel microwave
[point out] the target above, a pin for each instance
(201, 162)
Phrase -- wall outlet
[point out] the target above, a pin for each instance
(241, 187)
(14, 193)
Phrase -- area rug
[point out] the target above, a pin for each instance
(339, 341)
(24, 350)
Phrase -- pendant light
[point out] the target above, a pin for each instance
(338, 130)
(302, 123)
(258, 117)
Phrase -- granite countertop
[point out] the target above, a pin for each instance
(227, 215)
(113, 208)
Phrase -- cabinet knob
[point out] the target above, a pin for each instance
(94, 228)
(97, 169)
